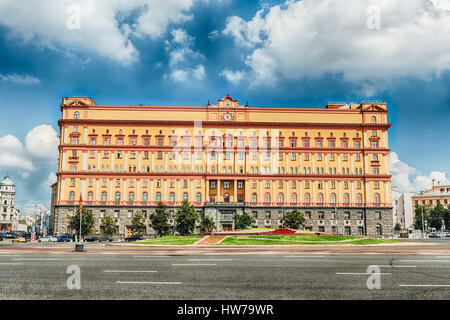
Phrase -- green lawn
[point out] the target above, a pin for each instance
(300, 240)
(171, 240)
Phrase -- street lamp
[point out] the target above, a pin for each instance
(423, 234)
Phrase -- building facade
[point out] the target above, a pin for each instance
(330, 163)
(431, 197)
(403, 210)
(9, 215)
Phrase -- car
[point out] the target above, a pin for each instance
(134, 237)
(48, 239)
(10, 235)
(64, 238)
(106, 237)
(92, 239)
(19, 239)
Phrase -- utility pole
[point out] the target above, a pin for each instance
(423, 234)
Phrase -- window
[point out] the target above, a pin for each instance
(104, 196)
(376, 185)
(226, 184)
(294, 198)
(320, 198)
(344, 144)
(76, 115)
(240, 184)
(267, 197)
(158, 196)
(254, 197)
(374, 144)
(280, 197)
(131, 196)
(212, 184)
(199, 197)
(333, 198)
(377, 198)
(72, 196)
(359, 198)
(346, 198)
(117, 196)
(373, 119)
(307, 198)
(172, 197)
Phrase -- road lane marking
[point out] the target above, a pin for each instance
(366, 273)
(129, 271)
(424, 260)
(35, 259)
(194, 264)
(313, 256)
(424, 285)
(147, 282)
(210, 259)
(150, 256)
(397, 266)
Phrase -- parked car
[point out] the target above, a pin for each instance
(10, 235)
(106, 237)
(64, 238)
(92, 239)
(48, 239)
(19, 239)
(134, 237)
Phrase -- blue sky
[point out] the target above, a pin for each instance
(186, 52)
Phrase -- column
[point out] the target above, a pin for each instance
(219, 197)
(207, 191)
(246, 185)
(235, 191)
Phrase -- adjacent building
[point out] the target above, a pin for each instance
(431, 197)
(330, 163)
(9, 215)
(403, 209)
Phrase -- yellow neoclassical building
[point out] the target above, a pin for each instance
(331, 163)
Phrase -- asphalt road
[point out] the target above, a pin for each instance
(240, 276)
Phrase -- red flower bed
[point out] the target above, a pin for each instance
(279, 231)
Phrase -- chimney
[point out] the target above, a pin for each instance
(439, 183)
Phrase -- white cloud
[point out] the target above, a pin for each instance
(408, 179)
(102, 30)
(20, 79)
(233, 76)
(51, 179)
(42, 143)
(182, 58)
(311, 38)
(13, 154)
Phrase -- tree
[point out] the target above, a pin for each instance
(207, 225)
(294, 219)
(398, 227)
(418, 216)
(138, 223)
(243, 221)
(186, 218)
(108, 226)
(87, 222)
(159, 220)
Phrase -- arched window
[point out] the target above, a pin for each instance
(346, 198)
(333, 198)
(320, 198)
(281, 197)
(185, 196)
(90, 195)
(172, 197)
(377, 198)
(199, 197)
(145, 196)
(226, 197)
(267, 197)
(76, 115)
(359, 198)
(117, 196)
(158, 196)
(104, 196)
(131, 196)
(72, 196)
(294, 198)
(254, 198)
(307, 198)
(373, 119)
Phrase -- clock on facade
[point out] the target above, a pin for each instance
(227, 116)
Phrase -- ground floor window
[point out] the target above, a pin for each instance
(379, 231)
(348, 231)
(360, 231)
(321, 229)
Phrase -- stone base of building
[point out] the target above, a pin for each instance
(373, 221)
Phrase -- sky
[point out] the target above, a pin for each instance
(185, 52)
